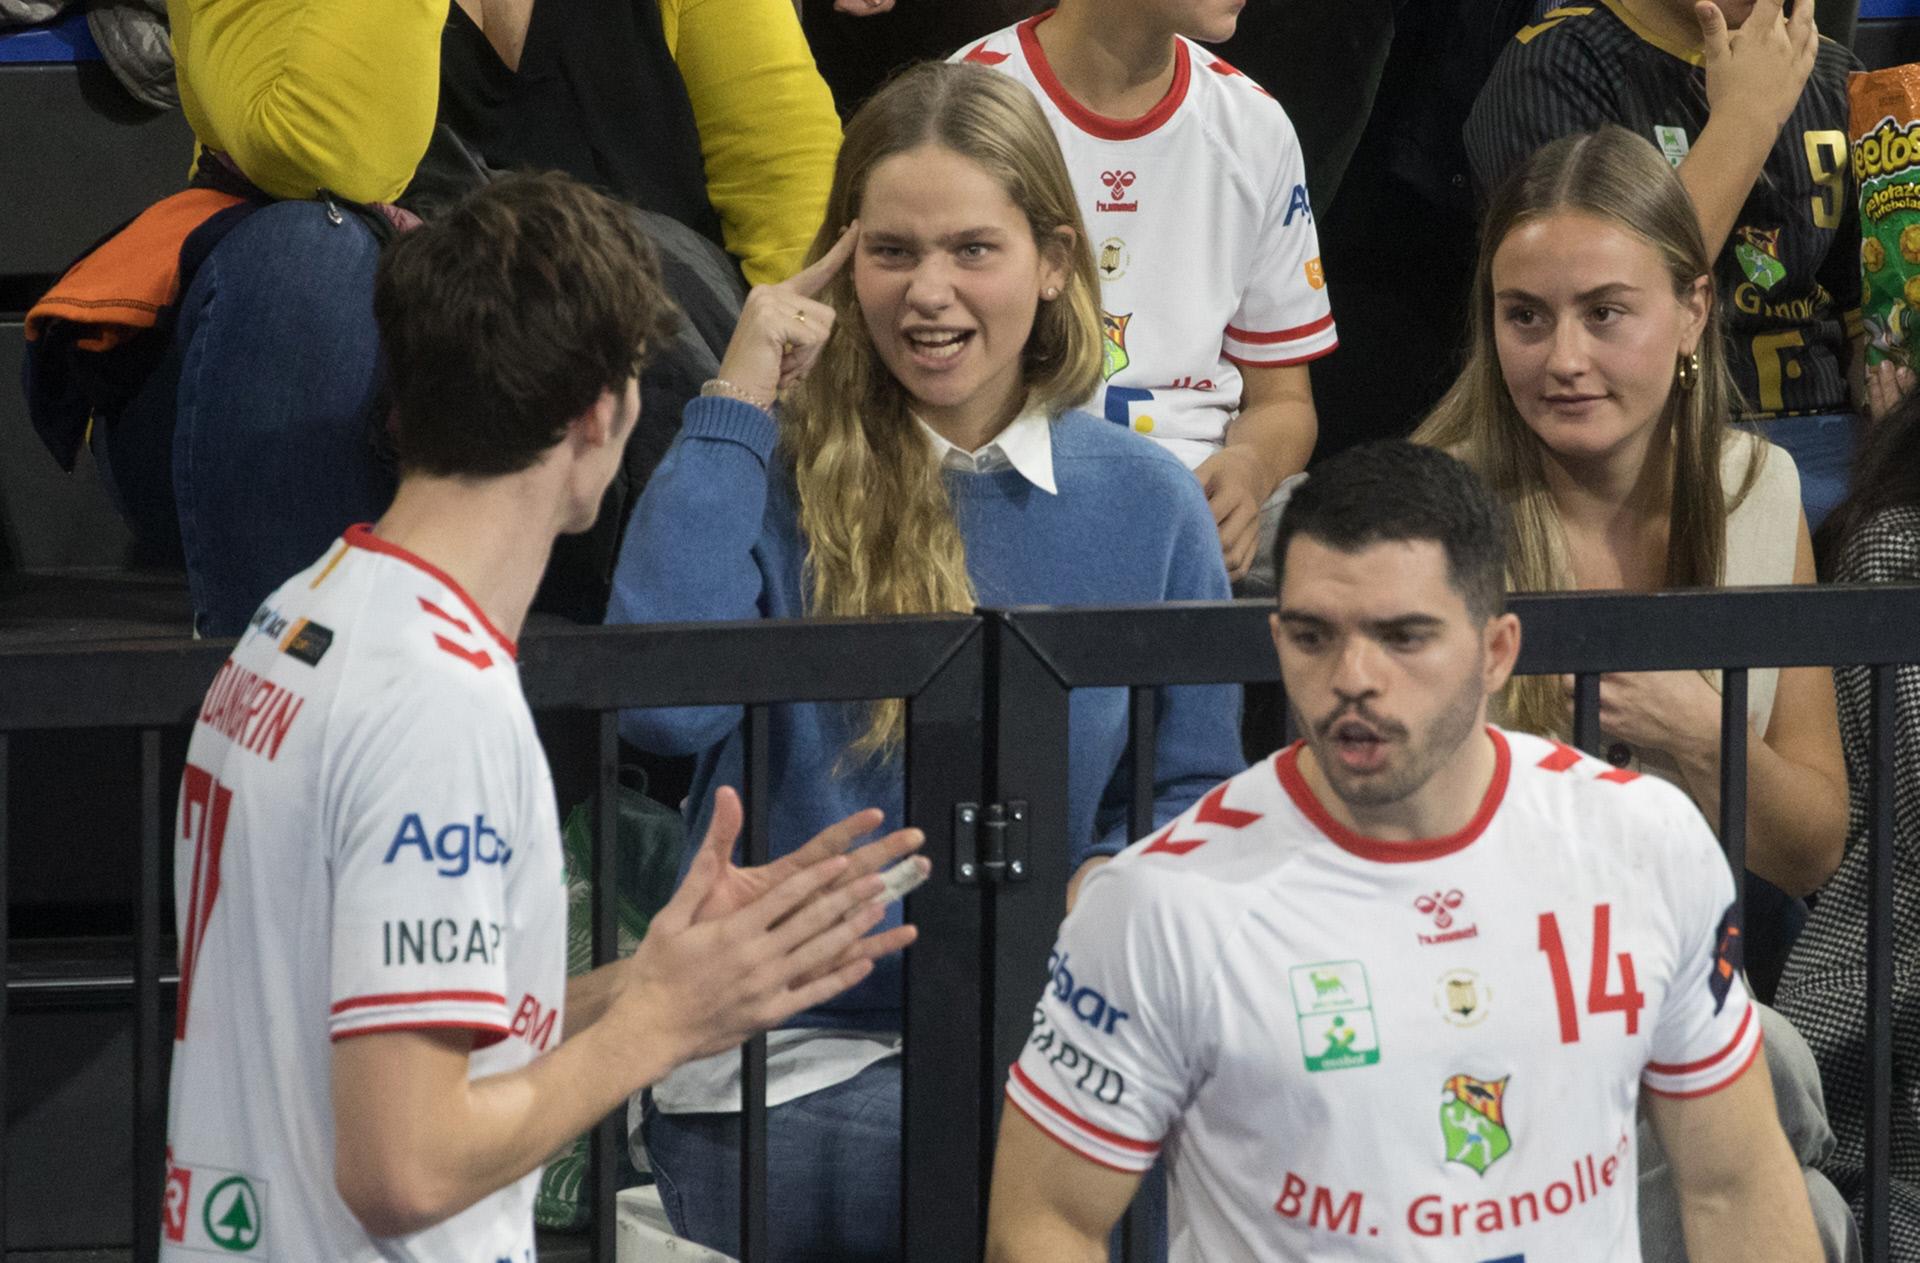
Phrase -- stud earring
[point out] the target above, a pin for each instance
(1050, 293)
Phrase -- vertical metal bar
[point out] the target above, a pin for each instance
(1880, 944)
(6, 857)
(948, 1085)
(603, 1143)
(754, 1242)
(1142, 730)
(1733, 781)
(1136, 1240)
(1586, 713)
(149, 1088)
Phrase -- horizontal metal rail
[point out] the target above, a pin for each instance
(932, 662)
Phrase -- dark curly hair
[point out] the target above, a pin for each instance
(506, 317)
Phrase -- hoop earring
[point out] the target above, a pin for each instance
(1688, 374)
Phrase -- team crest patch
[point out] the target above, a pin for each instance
(308, 642)
(1473, 1120)
(1335, 1011)
(1114, 258)
(1759, 255)
(1462, 998)
(1114, 332)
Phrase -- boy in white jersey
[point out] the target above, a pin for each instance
(1194, 193)
(1394, 993)
(376, 1043)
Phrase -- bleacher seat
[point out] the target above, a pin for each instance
(81, 157)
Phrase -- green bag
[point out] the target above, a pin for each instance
(649, 839)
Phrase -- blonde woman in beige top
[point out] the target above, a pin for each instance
(1595, 400)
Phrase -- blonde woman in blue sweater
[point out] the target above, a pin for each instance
(925, 455)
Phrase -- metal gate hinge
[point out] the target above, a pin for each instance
(990, 842)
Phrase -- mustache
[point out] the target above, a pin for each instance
(1385, 727)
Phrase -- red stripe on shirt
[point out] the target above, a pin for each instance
(419, 997)
(1111, 1137)
(1694, 1067)
(1289, 362)
(1073, 1149)
(1281, 335)
(437, 612)
(1709, 1091)
(486, 1036)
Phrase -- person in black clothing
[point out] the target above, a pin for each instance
(1750, 104)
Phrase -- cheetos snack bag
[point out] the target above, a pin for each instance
(1886, 167)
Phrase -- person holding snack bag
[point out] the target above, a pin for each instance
(1886, 168)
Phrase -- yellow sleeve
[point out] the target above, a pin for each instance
(312, 94)
(768, 131)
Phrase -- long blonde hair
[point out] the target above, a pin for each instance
(881, 538)
(1613, 175)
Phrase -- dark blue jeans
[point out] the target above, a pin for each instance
(1822, 448)
(833, 1174)
(256, 435)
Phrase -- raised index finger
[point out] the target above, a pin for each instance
(811, 280)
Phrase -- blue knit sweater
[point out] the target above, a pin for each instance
(716, 536)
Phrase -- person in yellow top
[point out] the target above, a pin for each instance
(257, 433)
(304, 95)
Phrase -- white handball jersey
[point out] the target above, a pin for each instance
(1351, 1049)
(366, 842)
(1198, 216)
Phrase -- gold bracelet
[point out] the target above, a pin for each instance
(725, 389)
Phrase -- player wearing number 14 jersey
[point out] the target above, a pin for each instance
(1398, 991)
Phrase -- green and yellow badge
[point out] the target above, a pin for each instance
(1473, 1119)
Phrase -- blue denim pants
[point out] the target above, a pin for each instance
(833, 1175)
(833, 1172)
(1822, 448)
(254, 439)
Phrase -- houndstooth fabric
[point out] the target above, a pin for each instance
(1823, 990)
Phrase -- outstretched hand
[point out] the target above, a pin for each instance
(736, 951)
(734, 887)
(1758, 71)
(783, 327)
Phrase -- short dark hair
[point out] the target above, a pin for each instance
(1395, 491)
(506, 317)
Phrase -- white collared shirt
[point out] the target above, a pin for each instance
(1026, 445)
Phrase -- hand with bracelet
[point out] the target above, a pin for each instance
(781, 332)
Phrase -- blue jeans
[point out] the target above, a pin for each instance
(833, 1172)
(1822, 449)
(256, 434)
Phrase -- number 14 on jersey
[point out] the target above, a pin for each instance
(1601, 998)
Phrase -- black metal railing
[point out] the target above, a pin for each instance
(933, 663)
(1042, 654)
(987, 707)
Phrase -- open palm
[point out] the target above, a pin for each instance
(736, 887)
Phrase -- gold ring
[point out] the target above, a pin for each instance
(801, 316)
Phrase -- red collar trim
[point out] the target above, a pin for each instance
(1287, 766)
(1099, 125)
(361, 535)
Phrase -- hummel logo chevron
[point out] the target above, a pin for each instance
(1213, 809)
